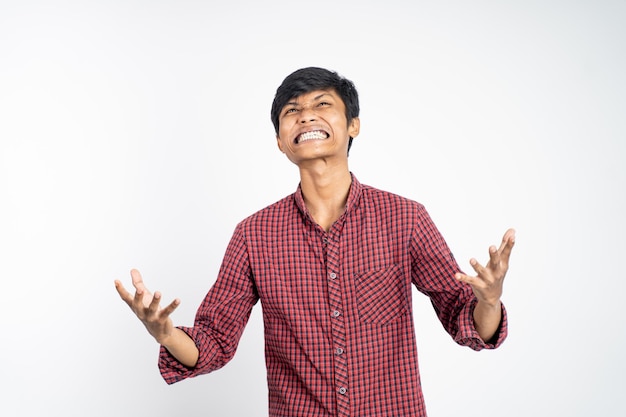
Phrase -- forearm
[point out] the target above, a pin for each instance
(487, 319)
(182, 347)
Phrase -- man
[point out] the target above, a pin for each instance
(333, 265)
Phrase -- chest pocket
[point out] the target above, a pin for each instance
(381, 295)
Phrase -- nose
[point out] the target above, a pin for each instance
(307, 115)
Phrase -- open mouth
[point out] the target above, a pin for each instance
(312, 135)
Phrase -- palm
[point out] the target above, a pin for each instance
(487, 284)
(146, 307)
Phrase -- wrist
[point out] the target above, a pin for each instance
(489, 304)
(168, 339)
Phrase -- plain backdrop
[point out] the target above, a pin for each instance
(136, 134)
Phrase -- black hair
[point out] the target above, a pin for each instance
(309, 79)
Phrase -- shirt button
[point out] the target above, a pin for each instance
(342, 390)
(333, 275)
(339, 351)
(336, 313)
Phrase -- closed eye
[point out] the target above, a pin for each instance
(291, 110)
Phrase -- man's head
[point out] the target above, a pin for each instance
(310, 79)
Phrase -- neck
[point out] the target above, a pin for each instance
(325, 194)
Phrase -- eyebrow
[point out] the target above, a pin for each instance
(294, 103)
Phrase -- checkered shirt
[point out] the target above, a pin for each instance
(337, 309)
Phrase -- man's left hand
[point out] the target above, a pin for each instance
(487, 284)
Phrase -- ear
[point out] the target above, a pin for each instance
(354, 127)
(279, 143)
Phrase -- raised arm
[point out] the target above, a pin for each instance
(157, 320)
(487, 286)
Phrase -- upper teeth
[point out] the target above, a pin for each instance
(316, 134)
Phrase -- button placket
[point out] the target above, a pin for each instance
(335, 298)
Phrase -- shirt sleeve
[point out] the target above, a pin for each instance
(433, 272)
(221, 317)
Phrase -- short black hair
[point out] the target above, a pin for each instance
(309, 79)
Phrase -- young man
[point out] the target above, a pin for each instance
(333, 265)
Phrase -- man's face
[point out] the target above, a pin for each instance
(313, 126)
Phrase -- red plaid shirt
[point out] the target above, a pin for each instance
(339, 336)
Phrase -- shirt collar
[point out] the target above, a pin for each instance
(354, 196)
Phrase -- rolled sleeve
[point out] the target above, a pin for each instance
(220, 319)
(467, 334)
(173, 371)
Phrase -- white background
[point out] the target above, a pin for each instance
(137, 134)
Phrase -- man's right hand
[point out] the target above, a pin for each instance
(146, 307)
(157, 320)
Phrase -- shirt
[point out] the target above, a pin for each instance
(337, 309)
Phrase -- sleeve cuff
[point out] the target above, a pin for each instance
(467, 334)
(173, 371)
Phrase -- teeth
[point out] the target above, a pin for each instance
(317, 134)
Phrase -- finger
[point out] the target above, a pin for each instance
(494, 256)
(170, 308)
(153, 307)
(508, 241)
(138, 298)
(468, 279)
(137, 280)
(480, 270)
(125, 295)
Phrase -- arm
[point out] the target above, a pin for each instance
(146, 307)
(487, 286)
(220, 319)
(436, 274)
